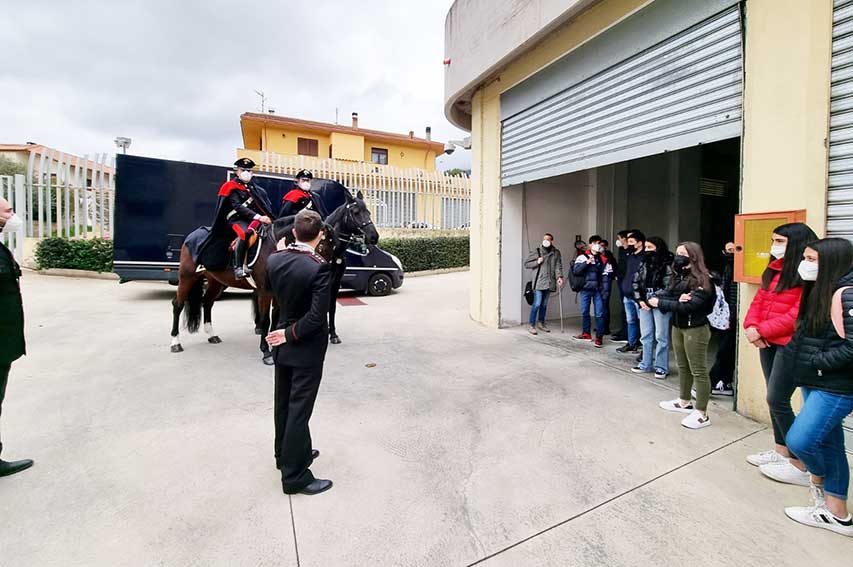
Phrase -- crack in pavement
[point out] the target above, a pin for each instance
(612, 499)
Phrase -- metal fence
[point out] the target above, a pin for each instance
(12, 188)
(69, 196)
(397, 198)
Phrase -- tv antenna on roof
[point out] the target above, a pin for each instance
(263, 101)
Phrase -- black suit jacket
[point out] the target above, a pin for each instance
(300, 282)
(12, 344)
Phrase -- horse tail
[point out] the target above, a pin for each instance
(194, 306)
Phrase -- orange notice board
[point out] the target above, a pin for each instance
(752, 241)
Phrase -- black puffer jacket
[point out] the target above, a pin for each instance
(691, 314)
(653, 276)
(825, 362)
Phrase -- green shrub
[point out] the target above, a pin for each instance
(418, 254)
(94, 254)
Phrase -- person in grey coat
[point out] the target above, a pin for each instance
(548, 262)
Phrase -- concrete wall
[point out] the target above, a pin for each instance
(786, 116)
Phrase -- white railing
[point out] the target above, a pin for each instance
(69, 196)
(12, 189)
(397, 197)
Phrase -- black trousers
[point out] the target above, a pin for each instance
(780, 388)
(295, 393)
(724, 366)
(4, 379)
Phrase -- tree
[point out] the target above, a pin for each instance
(456, 172)
(11, 167)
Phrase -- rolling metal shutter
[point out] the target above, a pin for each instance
(683, 91)
(839, 209)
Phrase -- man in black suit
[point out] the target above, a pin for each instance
(12, 344)
(300, 280)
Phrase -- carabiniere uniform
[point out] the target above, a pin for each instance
(300, 280)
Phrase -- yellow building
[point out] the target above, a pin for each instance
(293, 136)
(671, 116)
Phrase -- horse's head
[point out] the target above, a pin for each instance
(357, 219)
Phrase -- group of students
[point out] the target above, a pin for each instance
(800, 321)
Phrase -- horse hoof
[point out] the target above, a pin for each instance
(177, 348)
(259, 331)
(268, 360)
(214, 340)
(335, 340)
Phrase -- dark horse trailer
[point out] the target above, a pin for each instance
(159, 202)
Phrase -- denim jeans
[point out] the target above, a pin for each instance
(540, 305)
(589, 298)
(654, 327)
(632, 321)
(817, 438)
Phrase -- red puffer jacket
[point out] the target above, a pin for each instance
(775, 314)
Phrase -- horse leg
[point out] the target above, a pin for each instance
(177, 309)
(257, 314)
(333, 304)
(214, 288)
(264, 305)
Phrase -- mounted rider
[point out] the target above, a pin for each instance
(242, 207)
(299, 197)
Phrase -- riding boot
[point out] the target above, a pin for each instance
(240, 259)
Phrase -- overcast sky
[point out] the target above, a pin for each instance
(175, 75)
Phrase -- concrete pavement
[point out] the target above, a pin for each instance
(461, 446)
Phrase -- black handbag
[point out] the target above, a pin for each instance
(528, 289)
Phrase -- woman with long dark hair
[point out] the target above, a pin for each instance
(690, 299)
(653, 276)
(769, 325)
(820, 359)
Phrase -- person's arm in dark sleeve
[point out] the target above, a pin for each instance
(841, 357)
(245, 213)
(698, 300)
(319, 312)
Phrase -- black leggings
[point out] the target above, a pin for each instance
(780, 388)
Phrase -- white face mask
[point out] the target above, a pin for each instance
(546, 243)
(618, 244)
(778, 250)
(305, 185)
(13, 224)
(596, 248)
(245, 176)
(808, 271)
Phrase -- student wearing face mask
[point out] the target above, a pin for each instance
(620, 336)
(769, 325)
(820, 360)
(653, 276)
(241, 209)
(690, 298)
(546, 262)
(722, 373)
(634, 253)
(12, 345)
(597, 272)
(299, 197)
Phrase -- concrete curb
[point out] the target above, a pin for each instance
(437, 272)
(66, 273)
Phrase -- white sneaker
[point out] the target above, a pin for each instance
(820, 517)
(675, 405)
(786, 472)
(765, 457)
(696, 420)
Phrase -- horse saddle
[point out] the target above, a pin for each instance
(213, 252)
(253, 250)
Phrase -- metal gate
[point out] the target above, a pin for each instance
(683, 91)
(12, 189)
(839, 209)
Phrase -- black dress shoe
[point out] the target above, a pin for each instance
(11, 467)
(314, 454)
(319, 485)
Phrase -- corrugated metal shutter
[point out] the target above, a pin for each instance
(839, 210)
(681, 92)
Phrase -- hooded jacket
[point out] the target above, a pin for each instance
(552, 267)
(825, 361)
(597, 275)
(774, 314)
(691, 314)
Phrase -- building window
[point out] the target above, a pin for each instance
(379, 155)
(308, 147)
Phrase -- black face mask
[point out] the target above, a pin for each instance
(681, 263)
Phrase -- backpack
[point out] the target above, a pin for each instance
(528, 289)
(576, 282)
(720, 315)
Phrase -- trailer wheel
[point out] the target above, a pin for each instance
(379, 285)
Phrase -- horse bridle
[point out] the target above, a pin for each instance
(352, 221)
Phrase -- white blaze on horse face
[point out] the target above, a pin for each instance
(176, 340)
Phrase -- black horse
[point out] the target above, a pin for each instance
(349, 222)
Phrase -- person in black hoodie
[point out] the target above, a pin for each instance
(653, 276)
(633, 260)
(820, 357)
(690, 298)
(722, 373)
(621, 336)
